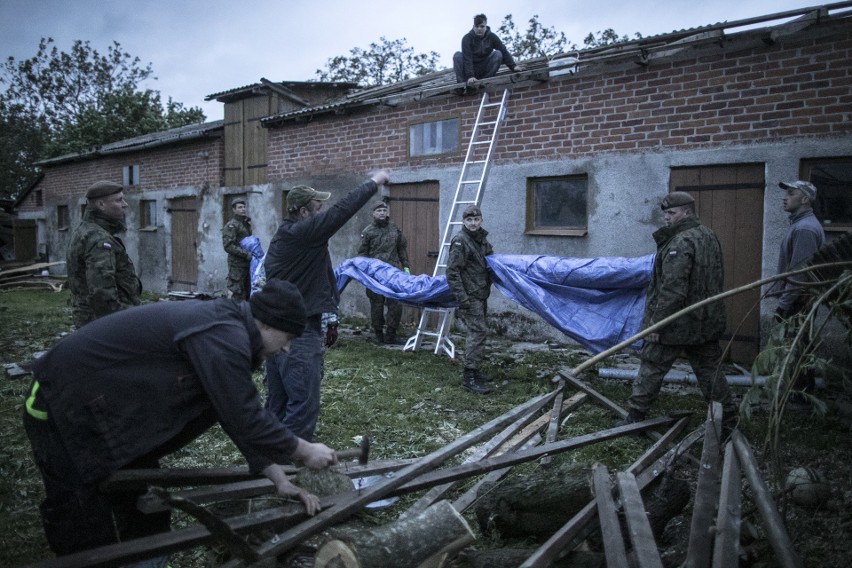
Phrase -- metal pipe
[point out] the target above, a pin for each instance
(688, 378)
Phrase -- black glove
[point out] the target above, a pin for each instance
(330, 335)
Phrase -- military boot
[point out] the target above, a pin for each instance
(378, 336)
(483, 377)
(632, 416)
(391, 338)
(469, 383)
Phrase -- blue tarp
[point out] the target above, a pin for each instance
(597, 302)
(256, 272)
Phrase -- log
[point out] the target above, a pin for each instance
(426, 539)
(514, 557)
(537, 504)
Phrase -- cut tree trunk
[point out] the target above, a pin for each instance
(427, 539)
(537, 504)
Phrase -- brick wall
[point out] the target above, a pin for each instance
(799, 87)
(159, 168)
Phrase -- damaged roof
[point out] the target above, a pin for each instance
(641, 51)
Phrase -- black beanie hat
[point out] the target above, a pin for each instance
(279, 304)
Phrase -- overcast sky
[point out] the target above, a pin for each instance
(201, 47)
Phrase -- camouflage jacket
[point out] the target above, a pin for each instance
(384, 242)
(101, 275)
(687, 269)
(233, 232)
(467, 271)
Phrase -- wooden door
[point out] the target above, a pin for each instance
(184, 221)
(729, 200)
(414, 208)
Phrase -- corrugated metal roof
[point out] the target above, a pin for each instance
(180, 134)
(251, 89)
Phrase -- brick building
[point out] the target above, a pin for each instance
(590, 142)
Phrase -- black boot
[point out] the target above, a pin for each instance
(392, 339)
(632, 416)
(469, 383)
(483, 377)
(378, 337)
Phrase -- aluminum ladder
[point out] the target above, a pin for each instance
(435, 323)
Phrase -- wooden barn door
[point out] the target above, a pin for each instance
(414, 208)
(184, 220)
(729, 200)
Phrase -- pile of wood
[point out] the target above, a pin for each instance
(560, 506)
(31, 276)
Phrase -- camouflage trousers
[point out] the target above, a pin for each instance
(377, 312)
(657, 360)
(238, 282)
(474, 319)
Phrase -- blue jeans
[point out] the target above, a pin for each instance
(488, 67)
(293, 384)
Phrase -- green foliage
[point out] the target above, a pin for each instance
(536, 41)
(58, 102)
(383, 63)
(606, 37)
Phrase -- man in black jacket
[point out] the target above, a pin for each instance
(481, 55)
(299, 254)
(129, 388)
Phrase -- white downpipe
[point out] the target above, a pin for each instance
(688, 378)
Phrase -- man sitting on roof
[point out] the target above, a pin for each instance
(481, 55)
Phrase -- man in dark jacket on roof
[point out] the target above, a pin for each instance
(299, 254)
(688, 268)
(481, 54)
(134, 386)
(101, 275)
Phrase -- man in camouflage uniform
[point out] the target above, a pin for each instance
(384, 241)
(101, 276)
(470, 283)
(687, 269)
(239, 259)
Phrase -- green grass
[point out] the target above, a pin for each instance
(410, 404)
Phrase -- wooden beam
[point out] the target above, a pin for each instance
(777, 534)
(726, 550)
(614, 550)
(638, 528)
(553, 425)
(706, 493)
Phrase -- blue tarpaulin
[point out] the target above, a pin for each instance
(597, 302)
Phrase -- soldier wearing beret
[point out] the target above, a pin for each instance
(687, 269)
(239, 259)
(383, 240)
(101, 275)
(470, 283)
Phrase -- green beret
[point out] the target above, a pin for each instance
(102, 189)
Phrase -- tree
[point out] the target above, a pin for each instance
(58, 102)
(606, 37)
(383, 63)
(536, 41)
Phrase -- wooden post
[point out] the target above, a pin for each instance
(726, 551)
(706, 493)
(778, 537)
(616, 555)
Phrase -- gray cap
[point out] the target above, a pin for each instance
(805, 187)
(301, 195)
(676, 199)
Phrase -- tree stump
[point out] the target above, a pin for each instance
(424, 540)
(537, 504)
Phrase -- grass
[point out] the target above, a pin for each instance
(410, 404)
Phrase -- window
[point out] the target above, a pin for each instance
(147, 214)
(130, 175)
(63, 220)
(833, 180)
(39, 198)
(557, 206)
(432, 138)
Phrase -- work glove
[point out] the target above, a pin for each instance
(407, 271)
(330, 335)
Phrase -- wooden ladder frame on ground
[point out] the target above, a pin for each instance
(474, 173)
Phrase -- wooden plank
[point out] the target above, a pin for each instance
(638, 528)
(777, 534)
(726, 550)
(651, 464)
(706, 493)
(287, 540)
(553, 426)
(614, 550)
